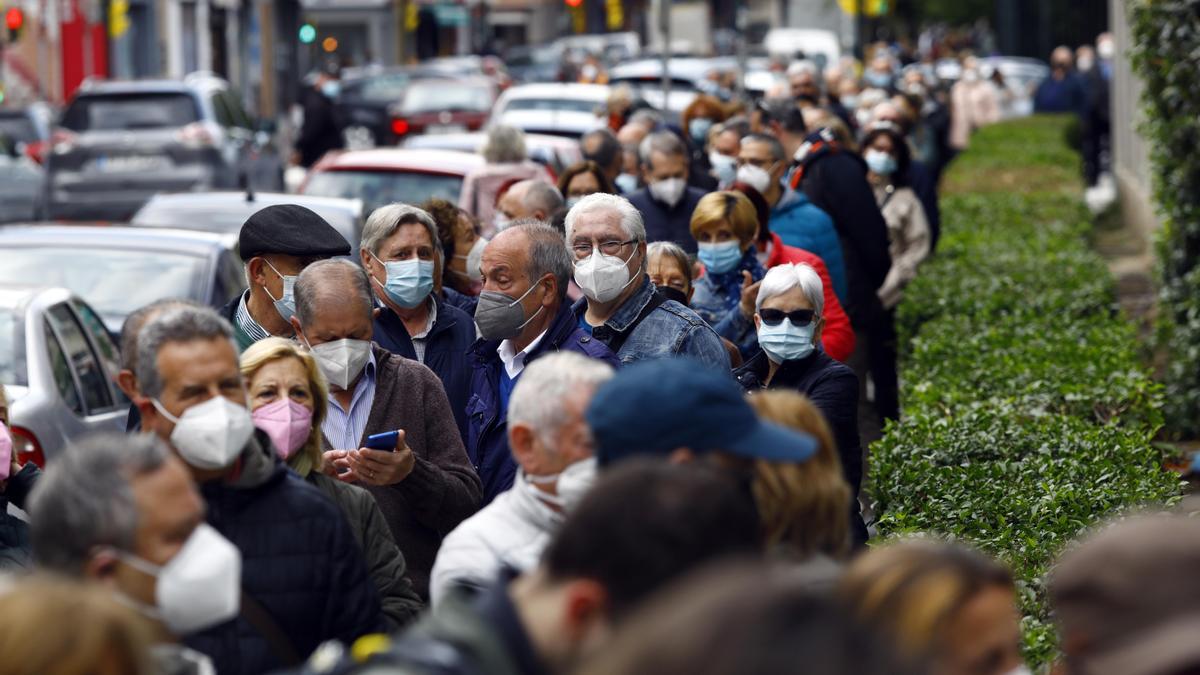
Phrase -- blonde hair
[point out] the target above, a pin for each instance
(62, 626)
(272, 349)
(727, 207)
(803, 507)
(912, 590)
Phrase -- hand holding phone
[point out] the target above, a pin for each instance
(384, 441)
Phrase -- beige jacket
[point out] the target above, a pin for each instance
(972, 105)
(908, 236)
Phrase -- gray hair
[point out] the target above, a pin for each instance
(538, 399)
(504, 145)
(630, 217)
(84, 498)
(542, 196)
(181, 324)
(663, 142)
(132, 327)
(783, 278)
(651, 119)
(803, 66)
(313, 285)
(386, 220)
(777, 150)
(676, 253)
(547, 253)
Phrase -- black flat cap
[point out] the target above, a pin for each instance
(290, 229)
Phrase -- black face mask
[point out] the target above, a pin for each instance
(673, 294)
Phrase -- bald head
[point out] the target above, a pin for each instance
(531, 199)
(632, 134)
(329, 284)
(539, 249)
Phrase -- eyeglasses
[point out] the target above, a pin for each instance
(612, 248)
(798, 317)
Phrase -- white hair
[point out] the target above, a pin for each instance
(538, 398)
(630, 217)
(504, 145)
(803, 66)
(783, 278)
(386, 220)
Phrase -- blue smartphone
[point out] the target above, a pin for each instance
(385, 441)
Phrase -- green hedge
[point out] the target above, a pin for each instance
(1027, 415)
(1166, 35)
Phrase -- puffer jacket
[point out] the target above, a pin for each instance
(299, 562)
(802, 224)
(401, 604)
(14, 532)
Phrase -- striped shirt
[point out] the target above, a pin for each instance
(344, 429)
(247, 323)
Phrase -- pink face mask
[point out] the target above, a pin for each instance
(287, 423)
(6, 451)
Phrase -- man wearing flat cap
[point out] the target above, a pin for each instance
(277, 243)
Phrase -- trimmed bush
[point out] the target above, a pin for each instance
(1027, 414)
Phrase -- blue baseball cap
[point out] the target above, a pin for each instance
(655, 407)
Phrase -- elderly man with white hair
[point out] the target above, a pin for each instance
(507, 162)
(403, 257)
(552, 446)
(789, 314)
(621, 308)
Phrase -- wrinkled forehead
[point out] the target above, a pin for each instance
(599, 225)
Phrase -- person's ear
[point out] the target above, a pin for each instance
(757, 321)
(585, 609)
(101, 567)
(295, 321)
(367, 261)
(552, 291)
(127, 381)
(254, 270)
(521, 440)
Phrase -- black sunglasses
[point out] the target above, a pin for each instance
(798, 317)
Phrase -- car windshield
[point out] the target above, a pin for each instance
(119, 112)
(377, 188)
(12, 347)
(381, 88)
(18, 128)
(570, 105)
(114, 282)
(440, 96)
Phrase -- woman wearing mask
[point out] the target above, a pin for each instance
(941, 604)
(697, 120)
(16, 482)
(725, 226)
(582, 179)
(789, 318)
(670, 270)
(462, 248)
(887, 157)
(288, 400)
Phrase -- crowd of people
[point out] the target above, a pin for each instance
(616, 424)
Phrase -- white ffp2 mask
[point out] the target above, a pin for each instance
(210, 435)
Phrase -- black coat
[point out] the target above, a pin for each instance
(299, 561)
(14, 532)
(664, 223)
(833, 389)
(837, 183)
(320, 132)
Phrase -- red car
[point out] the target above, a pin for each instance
(385, 175)
(443, 106)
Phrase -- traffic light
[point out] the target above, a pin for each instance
(308, 33)
(14, 20)
(573, 3)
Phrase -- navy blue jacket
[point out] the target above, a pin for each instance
(299, 561)
(668, 224)
(446, 348)
(466, 303)
(487, 443)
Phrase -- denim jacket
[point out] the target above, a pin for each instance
(670, 330)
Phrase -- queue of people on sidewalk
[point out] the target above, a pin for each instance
(613, 425)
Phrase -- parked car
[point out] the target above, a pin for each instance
(442, 106)
(58, 366)
(689, 76)
(569, 110)
(820, 46)
(226, 212)
(21, 183)
(385, 175)
(366, 96)
(1021, 76)
(554, 152)
(119, 143)
(27, 129)
(119, 269)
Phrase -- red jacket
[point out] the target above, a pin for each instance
(838, 338)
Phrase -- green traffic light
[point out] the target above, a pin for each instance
(308, 33)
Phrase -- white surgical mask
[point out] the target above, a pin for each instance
(627, 183)
(474, 259)
(668, 191)
(754, 176)
(571, 485)
(341, 361)
(603, 277)
(724, 167)
(210, 435)
(199, 587)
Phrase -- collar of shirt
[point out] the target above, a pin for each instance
(515, 363)
(433, 309)
(247, 323)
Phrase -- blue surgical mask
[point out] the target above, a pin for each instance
(720, 258)
(627, 183)
(880, 163)
(698, 130)
(877, 79)
(286, 304)
(787, 341)
(409, 282)
(331, 89)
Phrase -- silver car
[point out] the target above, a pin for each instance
(57, 365)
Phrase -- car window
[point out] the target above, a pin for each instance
(100, 336)
(64, 381)
(116, 112)
(18, 129)
(240, 117)
(231, 280)
(221, 110)
(377, 188)
(570, 105)
(382, 89)
(12, 348)
(436, 96)
(93, 380)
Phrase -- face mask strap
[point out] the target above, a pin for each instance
(163, 411)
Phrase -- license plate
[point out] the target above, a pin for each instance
(130, 163)
(445, 129)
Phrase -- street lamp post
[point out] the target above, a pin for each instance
(664, 26)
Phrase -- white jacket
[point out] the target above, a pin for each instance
(512, 531)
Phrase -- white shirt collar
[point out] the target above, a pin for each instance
(429, 322)
(515, 363)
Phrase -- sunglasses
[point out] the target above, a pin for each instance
(798, 317)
